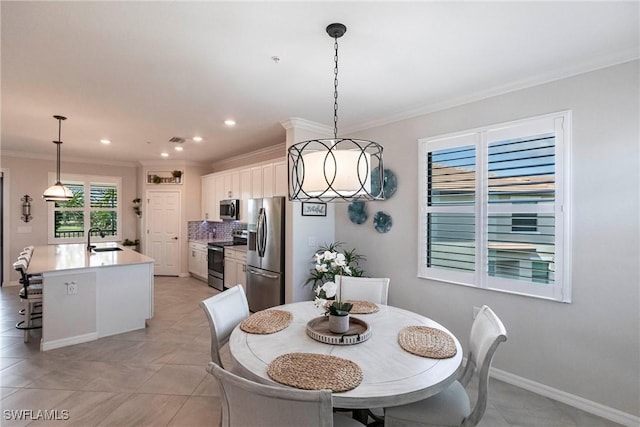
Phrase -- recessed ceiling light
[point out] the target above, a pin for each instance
(197, 138)
(105, 141)
(230, 122)
(163, 154)
(178, 148)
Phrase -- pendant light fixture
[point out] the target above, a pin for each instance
(338, 169)
(58, 192)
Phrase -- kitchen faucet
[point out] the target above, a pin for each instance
(91, 230)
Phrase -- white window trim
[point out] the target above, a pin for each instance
(85, 179)
(481, 137)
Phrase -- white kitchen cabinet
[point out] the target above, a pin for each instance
(256, 182)
(235, 268)
(253, 182)
(198, 266)
(280, 179)
(245, 193)
(208, 201)
(231, 186)
(267, 180)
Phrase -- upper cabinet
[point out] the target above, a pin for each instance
(209, 203)
(280, 183)
(251, 182)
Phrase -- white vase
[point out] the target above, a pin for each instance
(338, 324)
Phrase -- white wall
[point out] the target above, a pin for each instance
(190, 199)
(589, 348)
(302, 231)
(31, 176)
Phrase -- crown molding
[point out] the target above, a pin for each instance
(299, 123)
(595, 64)
(170, 163)
(67, 159)
(263, 154)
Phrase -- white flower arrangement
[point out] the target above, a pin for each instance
(329, 262)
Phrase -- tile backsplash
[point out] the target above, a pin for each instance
(212, 230)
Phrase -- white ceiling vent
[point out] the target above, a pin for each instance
(177, 140)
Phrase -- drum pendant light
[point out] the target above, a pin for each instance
(338, 169)
(58, 192)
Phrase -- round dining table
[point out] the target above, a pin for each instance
(391, 376)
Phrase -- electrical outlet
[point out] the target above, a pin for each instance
(72, 288)
(475, 311)
(312, 242)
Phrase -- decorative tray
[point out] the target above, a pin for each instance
(359, 331)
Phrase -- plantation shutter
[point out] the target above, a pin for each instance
(522, 164)
(450, 250)
(492, 211)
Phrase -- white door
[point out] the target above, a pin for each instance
(163, 231)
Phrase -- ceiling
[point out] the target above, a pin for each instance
(140, 73)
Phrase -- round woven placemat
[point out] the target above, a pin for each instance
(310, 371)
(427, 342)
(363, 307)
(266, 322)
(359, 307)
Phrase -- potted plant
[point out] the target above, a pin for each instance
(177, 175)
(131, 243)
(330, 262)
(136, 206)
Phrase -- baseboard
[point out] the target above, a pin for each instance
(581, 403)
(78, 339)
(184, 275)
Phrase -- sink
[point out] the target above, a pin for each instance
(106, 249)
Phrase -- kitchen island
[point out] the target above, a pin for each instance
(90, 295)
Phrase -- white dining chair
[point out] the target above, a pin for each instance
(224, 312)
(246, 404)
(372, 289)
(451, 407)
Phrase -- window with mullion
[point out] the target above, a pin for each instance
(493, 212)
(95, 204)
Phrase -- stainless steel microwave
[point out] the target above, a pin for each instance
(230, 209)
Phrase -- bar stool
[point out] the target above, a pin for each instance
(31, 294)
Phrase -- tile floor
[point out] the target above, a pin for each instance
(156, 376)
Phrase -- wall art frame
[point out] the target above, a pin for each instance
(314, 209)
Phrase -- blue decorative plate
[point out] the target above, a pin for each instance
(389, 182)
(358, 212)
(382, 222)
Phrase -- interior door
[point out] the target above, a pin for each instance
(163, 231)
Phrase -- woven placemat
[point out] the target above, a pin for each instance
(427, 342)
(310, 371)
(363, 307)
(359, 307)
(266, 322)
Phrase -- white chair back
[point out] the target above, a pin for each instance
(372, 289)
(246, 403)
(487, 332)
(224, 312)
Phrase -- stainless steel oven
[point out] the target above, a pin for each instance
(216, 267)
(215, 259)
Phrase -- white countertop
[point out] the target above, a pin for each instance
(72, 256)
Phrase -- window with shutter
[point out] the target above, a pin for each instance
(95, 203)
(493, 210)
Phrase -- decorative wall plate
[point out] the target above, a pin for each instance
(389, 183)
(382, 222)
(358, 212)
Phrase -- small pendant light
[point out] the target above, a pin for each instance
(338, 169)
(58, 192)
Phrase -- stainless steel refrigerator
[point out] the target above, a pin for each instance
(265, 253)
